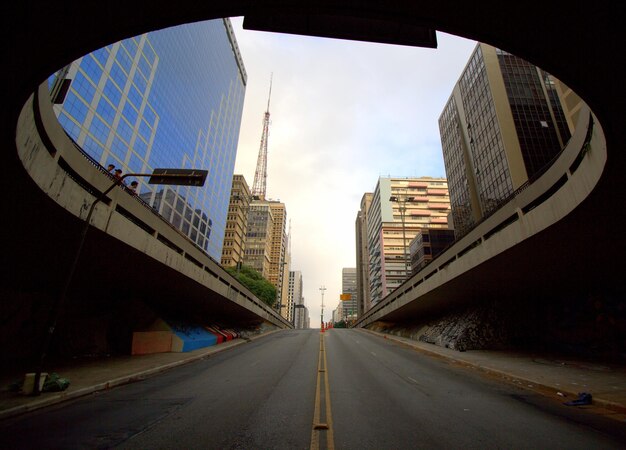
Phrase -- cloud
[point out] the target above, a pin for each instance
(342, 114)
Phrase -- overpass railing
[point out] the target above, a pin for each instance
(65, 159)
(521, 202)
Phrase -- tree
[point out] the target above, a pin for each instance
(255, 282)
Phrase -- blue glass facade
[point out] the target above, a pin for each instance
(170, 98)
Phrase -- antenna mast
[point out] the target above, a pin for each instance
(260, 175)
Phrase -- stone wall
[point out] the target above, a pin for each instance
(474, 328)
(588, 324)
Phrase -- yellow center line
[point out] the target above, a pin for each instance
(322, 424)
(330, 438)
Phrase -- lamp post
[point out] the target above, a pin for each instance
(322, 289)
(402, 201)
(185, 177)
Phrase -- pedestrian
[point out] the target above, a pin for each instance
(110, 167)
(133, 187)
(118, 173)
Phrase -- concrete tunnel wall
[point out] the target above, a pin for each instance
(66, 175)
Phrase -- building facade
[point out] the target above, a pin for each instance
(501, 127)
(266, 247)
(171, 98)
(400, 208)
(427, 244)
(295, 298)
(362, 256)
(279, 261)
(337, 314)
(236, 223)
(348, 286)
(258, 246)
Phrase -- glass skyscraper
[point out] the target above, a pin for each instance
(170, 98)
(501, 127)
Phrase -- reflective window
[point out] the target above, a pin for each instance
(167, 126)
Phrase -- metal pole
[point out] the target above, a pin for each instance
(56, 309)
(55, 313)
(402, 211)
(322, 289)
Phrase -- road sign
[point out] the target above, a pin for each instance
(185, 177)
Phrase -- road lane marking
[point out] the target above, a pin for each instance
(322, 426)
(330, 436)
(414, 381)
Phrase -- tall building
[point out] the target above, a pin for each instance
(570, 101)
(296, 299)
(307, 319)
(170, 98)
(258, 245)
(400, 208)
(287, 309)
(348, 286)
(362, 256)
(266, 247)
(236, 222)
(501, 126)
(337, 314)
(427, 244)
(279, 268)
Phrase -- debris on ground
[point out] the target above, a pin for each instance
(55, 383)
(584, 398)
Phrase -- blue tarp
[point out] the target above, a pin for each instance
(194, 337)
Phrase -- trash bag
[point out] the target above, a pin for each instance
(55, 383)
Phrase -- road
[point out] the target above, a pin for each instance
(300, 389)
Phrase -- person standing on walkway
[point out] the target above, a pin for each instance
(118, 174)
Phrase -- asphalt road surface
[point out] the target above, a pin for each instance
(300, 389)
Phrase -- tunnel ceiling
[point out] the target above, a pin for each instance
(357, 28)
(582, 45)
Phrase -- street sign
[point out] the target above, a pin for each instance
(184, 177)
(344, 297)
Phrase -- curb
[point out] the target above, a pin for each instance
(105, 385)
(507, 377)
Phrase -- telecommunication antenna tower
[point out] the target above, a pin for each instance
(260, 175)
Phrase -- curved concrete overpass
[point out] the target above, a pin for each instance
(176, 272)
(582, 47)
(523, 251)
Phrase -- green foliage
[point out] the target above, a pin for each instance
(340, 324)
(254, 281)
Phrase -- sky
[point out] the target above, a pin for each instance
(342, 114)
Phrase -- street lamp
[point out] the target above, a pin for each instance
(322, 289)
(402, 201)
(182, 177)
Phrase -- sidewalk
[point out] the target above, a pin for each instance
(559, 377)
(100, 374)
